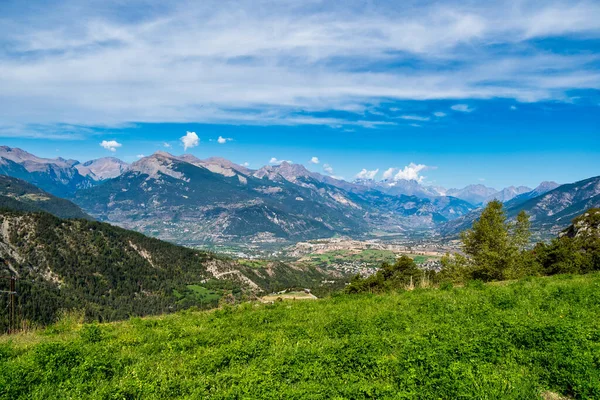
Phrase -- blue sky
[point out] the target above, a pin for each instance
(449, 92)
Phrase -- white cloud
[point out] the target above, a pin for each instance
(414, 118)
(411, 172)
(439, 114)
(140, 156)
(111, 145)
(389, 173)
(513, 108)
(223, 140)
(328, 169)
(246, 164)
(314, 160)
(462, 108)
(276, 161)
(366, 174)
(167, 145)
(189, 140)
(235, 67)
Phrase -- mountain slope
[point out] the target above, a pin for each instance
(57, 176)
(474, 194)
(167, 196)
(112, 273)
(102, 168)
(555, 209)
(542, 188)
(550, 212)
(16, 194)
(508, 193)
(192, 201)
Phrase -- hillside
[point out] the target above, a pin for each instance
(18, 195)
(530, 339)
(111, 273)
(550, 212)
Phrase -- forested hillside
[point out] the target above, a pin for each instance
(16, 194)
(111, 273)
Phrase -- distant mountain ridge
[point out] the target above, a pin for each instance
(191, 200)
(57, 176)
(551, 207)
(102, 168)
(182, 198)
(474, 194)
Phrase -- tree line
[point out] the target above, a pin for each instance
(496, 249)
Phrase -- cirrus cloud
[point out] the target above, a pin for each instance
(267, 65)
(462, 108)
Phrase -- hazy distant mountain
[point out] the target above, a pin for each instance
(550, 212)
(508, 193)
(474, 194)
(542, 188)
(102, 168)
(18, 195)
(57, 176)
(555, 209)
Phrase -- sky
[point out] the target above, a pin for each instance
(448, 93)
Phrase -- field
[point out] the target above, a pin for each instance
(534, 338)
(289, 296)
(370, 257)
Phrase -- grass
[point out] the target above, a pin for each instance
(520, 340)
(289, 296)
(197, 292)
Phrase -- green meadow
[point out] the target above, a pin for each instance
(526, 339)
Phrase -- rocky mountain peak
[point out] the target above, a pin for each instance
(102, 168)
(158, 163)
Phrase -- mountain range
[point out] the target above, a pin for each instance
(551, 208)
(193, 201)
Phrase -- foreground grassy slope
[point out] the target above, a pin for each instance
(511, 341)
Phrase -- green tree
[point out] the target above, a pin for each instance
(521, 231)
(488, 243)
